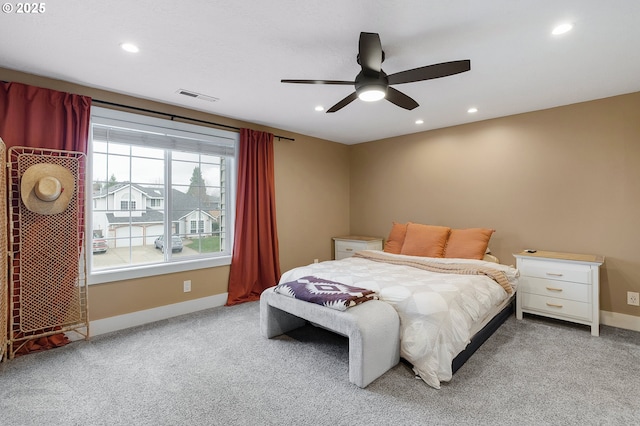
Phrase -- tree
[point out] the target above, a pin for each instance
(197, 188)
(196, 184)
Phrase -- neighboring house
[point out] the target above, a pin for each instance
(135, 213)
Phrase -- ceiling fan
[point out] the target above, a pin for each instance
(373, 84)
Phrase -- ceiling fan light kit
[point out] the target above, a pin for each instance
(371, 90)
(373, 84)
(371, 94)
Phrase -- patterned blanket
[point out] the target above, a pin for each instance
(326, 293)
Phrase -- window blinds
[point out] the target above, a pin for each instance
(162, 134)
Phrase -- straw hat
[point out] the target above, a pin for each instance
(47, 188)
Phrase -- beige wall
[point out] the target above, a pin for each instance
(312, 203)
(563, 179)
(312, 199)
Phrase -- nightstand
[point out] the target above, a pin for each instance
(564, 286)
(346, 246)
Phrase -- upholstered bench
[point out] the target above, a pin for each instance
(373, 329)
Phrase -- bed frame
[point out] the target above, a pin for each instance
(482, 335)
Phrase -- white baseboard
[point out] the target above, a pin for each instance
(614, 319)
(120, 322)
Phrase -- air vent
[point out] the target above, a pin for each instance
(196, 95)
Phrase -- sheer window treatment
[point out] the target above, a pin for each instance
(255, 264)
(36, 117)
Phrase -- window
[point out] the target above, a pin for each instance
(197, 226)
(153, 178)
(127, 205)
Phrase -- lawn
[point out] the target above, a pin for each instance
(204, 244)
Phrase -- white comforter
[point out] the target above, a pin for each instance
(436, 310)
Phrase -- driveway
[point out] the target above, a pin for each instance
(135, 255)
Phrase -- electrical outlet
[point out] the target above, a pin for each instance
(633, 298)
(315, 260)
(186, 286)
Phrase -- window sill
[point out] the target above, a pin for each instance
(142, 271)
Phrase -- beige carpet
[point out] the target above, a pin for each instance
(213, 368)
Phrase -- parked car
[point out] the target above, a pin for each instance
(176, 243)
(99, 243)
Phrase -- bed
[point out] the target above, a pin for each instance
(447, 305)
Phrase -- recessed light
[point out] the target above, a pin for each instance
(472, 110)
(319, 108)
(419, 121)
(562, 28)
(129, 47)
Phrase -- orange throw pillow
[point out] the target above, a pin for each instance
(468, 243)
(425, 240)
(396, 238)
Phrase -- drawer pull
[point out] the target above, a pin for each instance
(554, 305)
(554, 289)
(348, 249)
(554, 274)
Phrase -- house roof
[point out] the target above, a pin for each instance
(150, 192)
(149, 216)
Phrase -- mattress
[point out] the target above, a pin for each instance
(479, 325)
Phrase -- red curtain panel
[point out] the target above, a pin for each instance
(41, 118)
(36, 117)
(255, 265)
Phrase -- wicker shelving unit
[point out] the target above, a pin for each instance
(47, 285)
(3, 253)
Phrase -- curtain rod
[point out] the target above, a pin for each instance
(173, 116)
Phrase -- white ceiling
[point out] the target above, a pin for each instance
(238, 51)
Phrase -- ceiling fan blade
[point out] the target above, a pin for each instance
(370, 52)
(430, 71)
(343, 103)
(400, 99)
(319, 82)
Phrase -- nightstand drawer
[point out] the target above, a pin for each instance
(349, 247)
(553, 288)
(556, 307)
(555, 270)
